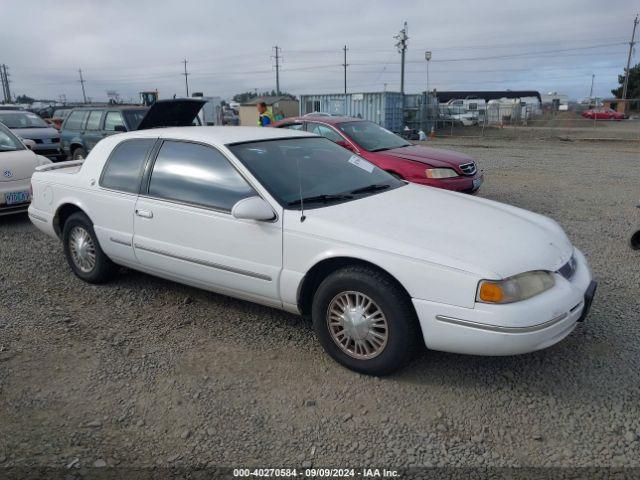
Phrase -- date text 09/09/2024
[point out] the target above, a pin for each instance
(316, 472)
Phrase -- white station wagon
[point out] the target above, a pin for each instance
(293, 221)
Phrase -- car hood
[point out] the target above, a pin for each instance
(18, 165)
(429, 156)
(472, 234)
(171, 113)
(36, 133)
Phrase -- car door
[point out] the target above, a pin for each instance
(93, 129)
(113, 123)
(114, 203)
(184, 230)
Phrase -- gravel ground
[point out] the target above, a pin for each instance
(144, 372)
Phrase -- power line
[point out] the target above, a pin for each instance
(626, 72)
(186, 75)
(82, 80)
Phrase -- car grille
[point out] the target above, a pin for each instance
(569, 268)
(468, 168)
(47, 140)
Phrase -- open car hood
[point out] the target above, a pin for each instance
(171, 113)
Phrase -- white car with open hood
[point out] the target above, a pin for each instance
(293, 221)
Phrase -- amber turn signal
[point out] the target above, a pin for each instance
(491, 292)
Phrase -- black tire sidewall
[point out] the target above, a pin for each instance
(400, 319)
(634, 240)
(76, 151)
(103, 268)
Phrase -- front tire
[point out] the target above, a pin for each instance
(365, 321)
(79, 154)
(634, 241)
(83, 252)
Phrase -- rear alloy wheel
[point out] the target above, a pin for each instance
(79, 154)
(365, 320)
(83, 252)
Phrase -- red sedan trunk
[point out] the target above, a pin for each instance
(414, 163)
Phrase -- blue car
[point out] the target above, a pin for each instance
(86, 126)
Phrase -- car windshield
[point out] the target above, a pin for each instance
(22, 120)
(8, 141)
(372, 137)
(133, 117)
(315, 170)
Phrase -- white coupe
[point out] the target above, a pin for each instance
(293, 221)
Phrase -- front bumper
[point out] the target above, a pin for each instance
(465, 184)
(511, 329)
(9, 187)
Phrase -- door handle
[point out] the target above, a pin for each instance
(144, 213)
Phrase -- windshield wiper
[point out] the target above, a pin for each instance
(371, 188)
(320, 198)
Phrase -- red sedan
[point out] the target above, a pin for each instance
(603, 114)
(386, 150)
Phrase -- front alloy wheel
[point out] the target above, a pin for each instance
(357, 325)
(365, 320)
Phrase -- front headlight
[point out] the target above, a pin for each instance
(516, 288)
(440, 173)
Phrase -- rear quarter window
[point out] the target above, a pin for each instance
(123, 169)
(76, 120)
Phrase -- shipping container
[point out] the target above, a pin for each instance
(383, 108)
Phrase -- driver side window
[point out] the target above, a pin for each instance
(325, 131)
(112, 120)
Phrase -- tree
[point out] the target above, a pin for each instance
(246, 96)
(633, 88)
(24, 99)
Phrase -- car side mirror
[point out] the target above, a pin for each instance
(345, 144)
(30, 144)
(119, 128)
(253, 208)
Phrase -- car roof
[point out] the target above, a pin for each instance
(216, 136)
(112, 107)
(320, 119)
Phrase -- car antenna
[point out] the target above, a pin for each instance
(302, 216)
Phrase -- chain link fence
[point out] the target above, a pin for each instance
(515, 119)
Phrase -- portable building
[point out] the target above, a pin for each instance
(285, 106)
(383, 108)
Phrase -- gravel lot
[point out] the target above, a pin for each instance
(144, 372)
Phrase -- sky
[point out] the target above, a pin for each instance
(130, 46)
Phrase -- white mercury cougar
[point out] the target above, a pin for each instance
(291, 220)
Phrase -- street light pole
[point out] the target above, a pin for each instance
(427, 57)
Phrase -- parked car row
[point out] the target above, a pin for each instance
(288, 218)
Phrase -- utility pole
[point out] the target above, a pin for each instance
(593, 77)
(186, 75)
(82, 80)
(277, 58)
(427, 57)
(5, 83)
(626, 73)
(402, 38)
(345, 64)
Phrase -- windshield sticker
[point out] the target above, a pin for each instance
(362, 163)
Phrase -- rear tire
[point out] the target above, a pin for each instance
(83, 252)
(634, 241)
(365, 321)
(79, 154)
